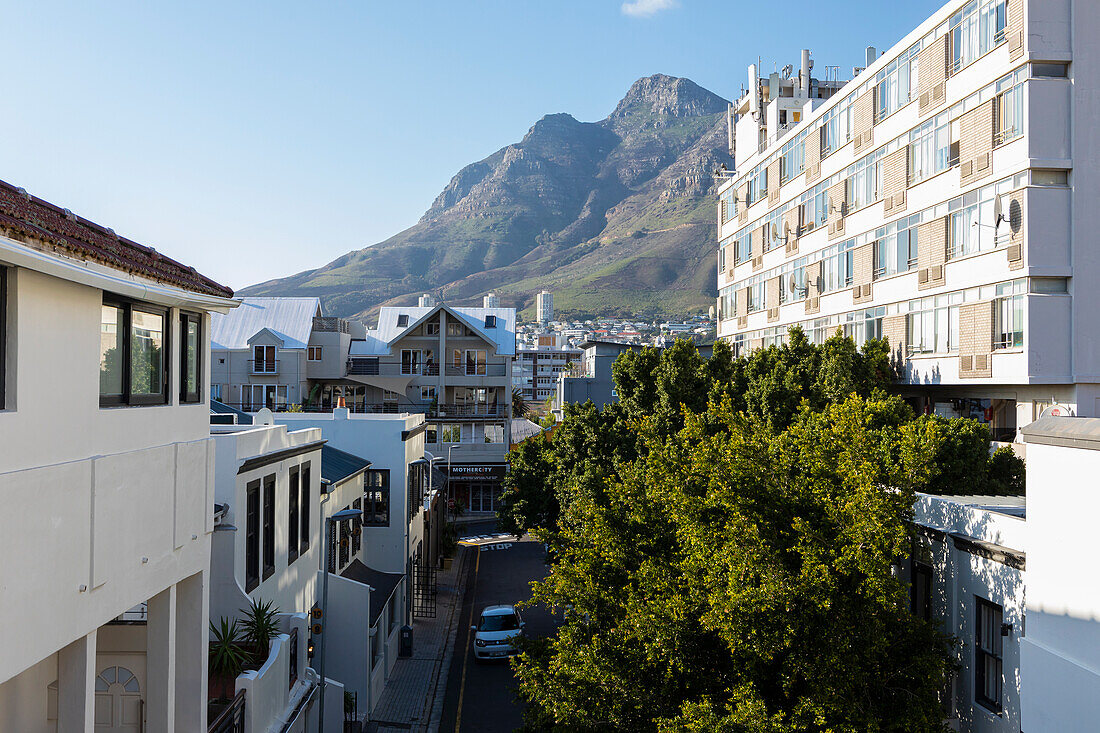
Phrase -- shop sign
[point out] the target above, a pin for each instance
(478, 472)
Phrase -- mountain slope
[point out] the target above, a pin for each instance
(613, 216)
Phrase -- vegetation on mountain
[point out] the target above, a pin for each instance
(616, 217)
(724, 541)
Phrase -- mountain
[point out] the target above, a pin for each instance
(614, 217)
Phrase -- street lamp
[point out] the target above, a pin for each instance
(337, 518)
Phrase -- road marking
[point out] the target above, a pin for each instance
(501, 546)
(466, 653)
(485, 539)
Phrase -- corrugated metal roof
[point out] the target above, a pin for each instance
(291, 319)
(384, 584)
(503, 335)
(1068, 432)
(219, 408)
(338, 465)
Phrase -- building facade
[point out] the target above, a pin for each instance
(453, 365)
(536, 367)
(106, 474)
(932, 200)
(594, 379)
(544, 307)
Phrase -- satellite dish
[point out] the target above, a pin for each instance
(1015, 216)
(998, 214)
(1057, 410)
(775, 231)
(793, 283)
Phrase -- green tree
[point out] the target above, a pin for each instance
(739, 578)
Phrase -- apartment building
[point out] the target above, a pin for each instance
(537, 365)
(277, 352)
(544, 307)
(593, 380)
(933, 200)
(454, 365)
(106, 477)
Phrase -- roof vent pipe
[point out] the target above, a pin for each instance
(872, 54)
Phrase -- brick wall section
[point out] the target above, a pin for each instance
(863, 272)
(1015, 245)
(863, 121)
(774, 170)
(756, 344)
(812, 157)
(743, 203)
(742, 302)
(771, 298)
(895, 329)
(1014, 31)
(813, 299)
(976, 129)
(895, 180)
(932, 80)
(792, 220)
(838, 206)
(931, 253)
(976, 340)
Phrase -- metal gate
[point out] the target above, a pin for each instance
(423, 590)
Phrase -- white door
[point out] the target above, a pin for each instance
(118, 704)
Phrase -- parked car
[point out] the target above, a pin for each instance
(496, 631)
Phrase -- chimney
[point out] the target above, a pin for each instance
(871, 55)
(804, 73)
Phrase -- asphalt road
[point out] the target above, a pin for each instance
(481, 697)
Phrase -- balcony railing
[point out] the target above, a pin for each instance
(372, 367)
(264, 366)
(230, 720)
(442, 410)
(325, 324)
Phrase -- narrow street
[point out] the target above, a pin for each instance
(481, 697)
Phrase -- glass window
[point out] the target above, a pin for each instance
(293, 519)
(304, 505)
(376, 499)
(988, 652)
(133, 354)
(191, 353)
(252, 536)
(475, 361)
(1008, 326)
(314, 353)
(269, 526)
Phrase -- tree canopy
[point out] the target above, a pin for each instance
(724, 541)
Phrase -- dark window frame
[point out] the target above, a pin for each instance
(268, 517)
(376, 498)
(921, 573)
(252, 536)
(186, 318)
(305, 506)
(293, 514)
(127, 398)
(996, 654)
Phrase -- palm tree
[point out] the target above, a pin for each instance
(520, 408)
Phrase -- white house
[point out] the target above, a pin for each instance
(1060, 649)
(106, 477)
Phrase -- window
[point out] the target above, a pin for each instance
(1008, 326)
(930, 149)
(451, 433)
(402, 320)
(133, 365)
(490, 321)
(314, 353)
(454, 328)
(293, 519)
(418, 478)
(263, 360)
(269, 526)
(388, 397)
(376, 500)
(1010, 115)
(357, 527)
(1056, 70)
(921, 592)
(722, 259)
(896, 84)
(431, 329)
(304, 508)
(475, 362)
(252, 536)
(216, 392)
(257, 396)
(975, 31)
(345, 541)
(410, 361)
(968, 232)
(934, 324)
(191, 353)
(988, 653)
(896, 247)
(427, 394)
(431, 433)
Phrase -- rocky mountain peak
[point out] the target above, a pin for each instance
(671, 96)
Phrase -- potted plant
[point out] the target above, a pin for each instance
(260, 627)
(227, 655)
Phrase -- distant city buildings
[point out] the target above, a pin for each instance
(490, 301)
(427, 300)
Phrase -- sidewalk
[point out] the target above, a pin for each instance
(413, 697)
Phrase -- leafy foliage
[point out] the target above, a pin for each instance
(261, 625)
(227, 655)
(722, 540)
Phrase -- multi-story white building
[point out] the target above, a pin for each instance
(106, 476)
(932, 200)
(537, 366)
(492, 300)
(544, 307)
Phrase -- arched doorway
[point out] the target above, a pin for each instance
(118, 704)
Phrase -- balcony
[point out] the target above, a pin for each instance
(441, 410)
(372, 367)
(330, 325)
(263, 366)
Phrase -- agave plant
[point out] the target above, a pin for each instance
(227, 658)
(261, 626)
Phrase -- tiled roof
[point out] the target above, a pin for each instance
(24, 217)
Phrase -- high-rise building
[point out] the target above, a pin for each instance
(492, 300)
(427, 300)
(939, 209)
(544, 307)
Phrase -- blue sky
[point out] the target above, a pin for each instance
(257, 139)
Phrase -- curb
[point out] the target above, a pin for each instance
(436, 705)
